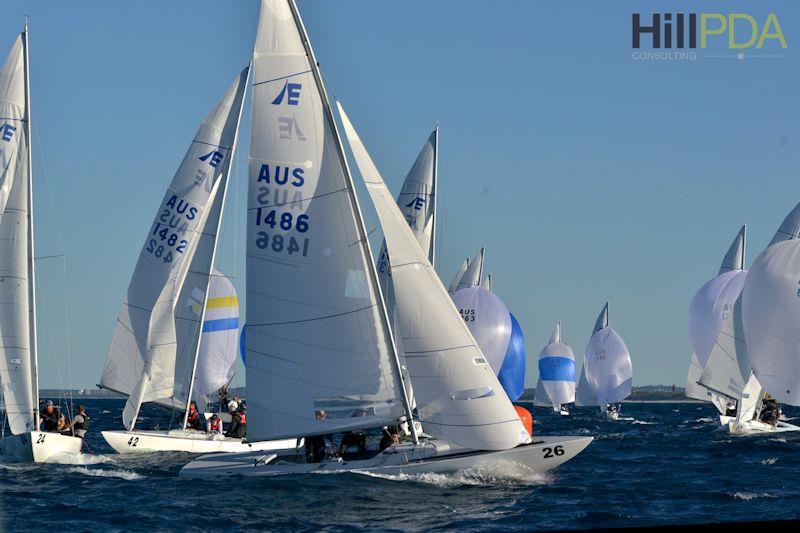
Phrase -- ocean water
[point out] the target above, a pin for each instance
(661, 464)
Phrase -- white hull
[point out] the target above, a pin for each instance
(188, 441)
(39, 446)
(612, 415)
(753, 427)
(540, 456)
(564, 412)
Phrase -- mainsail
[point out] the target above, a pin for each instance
(17, 298)
(698, 392)
(474, 272)
(584, 395)
(789, 228)
(607, 362)
(557, 372)
(154, 348)
(459, 399)
(319, 350)
(457, 278)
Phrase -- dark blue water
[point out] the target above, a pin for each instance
(667, 464)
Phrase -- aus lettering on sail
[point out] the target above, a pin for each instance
(284, 170)
(184, 203)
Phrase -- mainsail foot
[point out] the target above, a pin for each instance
(541, 455)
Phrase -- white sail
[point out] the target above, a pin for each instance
(457, 278)
(709, 308)
(487, 282)
(474, 273)
(540, 398)
(728, 365)
(698, 392)
(417, 201)
(789, 228)
(219, 342)
(17, 321)
(458, 397)
(608, 366)
(318, 349)
(771, 314)
(584, 395)
(557, 371)
(154, 344)
(734, 258)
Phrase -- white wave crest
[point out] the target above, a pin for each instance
(644, 423)
(65, 458)
(505, 473)
(747, 496)
(122, 474)
(769, 461)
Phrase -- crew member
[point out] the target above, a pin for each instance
(193, 420)
(50, 418)
(80, 423)
(730, 409)
(214, 426)
(238, 428)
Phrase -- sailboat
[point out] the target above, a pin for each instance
(607, 367)
(770, 308)
(324, 360)
(154, 352)
(18, 341)
(556, 385)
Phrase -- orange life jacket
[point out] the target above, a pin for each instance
(243, 416)
(215, 424)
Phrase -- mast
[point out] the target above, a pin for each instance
(214, 250)
(362, 234)
(483, 262)
(744, 245)
(434, 194)
(31, 267)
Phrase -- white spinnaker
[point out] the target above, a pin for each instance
(17, 353)
(459, 398)
(608, 366)
(219, 342)
(771, 314)
(698, 392)
(559, 391)
(457, 277)
(789, 228)
(154, 339)
(474, 273)
(316, 336)
(709, 308)
(489, 321)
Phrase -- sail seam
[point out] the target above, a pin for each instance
(298, 201)
(313, 319)
(281, 78)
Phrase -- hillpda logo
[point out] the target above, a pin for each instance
(692, 36)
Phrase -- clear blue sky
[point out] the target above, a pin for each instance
(588, 175)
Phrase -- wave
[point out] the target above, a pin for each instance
(505, 473)
(644, 422)
(65, 458)
(701, 420)
(747, 496)
(96, 472)
(769, 461)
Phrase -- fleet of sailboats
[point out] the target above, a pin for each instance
(338, 342)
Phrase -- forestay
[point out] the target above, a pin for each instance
(17, 346)
(318, 347)
(771, 313)
(153, 350)
(458, 397)
(219, 341)
(557, 371)
(608, 366)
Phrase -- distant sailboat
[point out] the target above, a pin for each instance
(154, 352)
(607, 367)
(556, 384)
(18, 342)
(324, 360)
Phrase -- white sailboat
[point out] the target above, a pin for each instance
(324, 361)
(556, 384)
(154, 352)
(770, 308)
(607, 367)
(18, 346)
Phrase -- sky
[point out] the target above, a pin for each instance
(589, 175)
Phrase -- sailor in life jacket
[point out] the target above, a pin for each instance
(214, 426)
(80, 423)
(238, 428)
(193, 419)
(50, 418)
